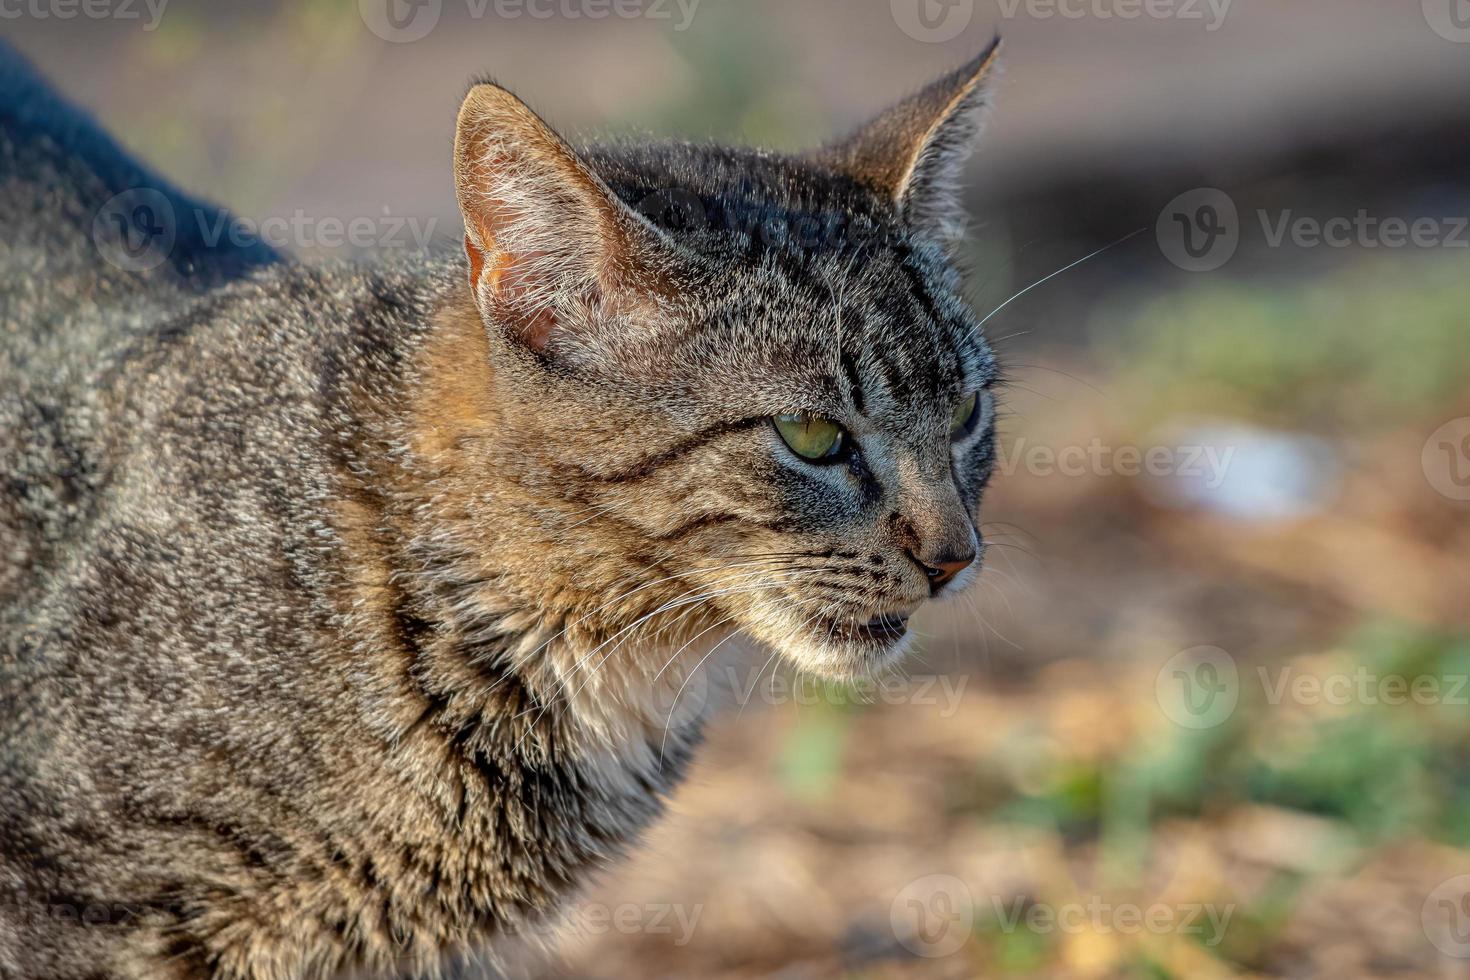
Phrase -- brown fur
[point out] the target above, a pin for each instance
(353, 617)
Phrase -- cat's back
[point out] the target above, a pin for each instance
(92, 243)
(99, 268)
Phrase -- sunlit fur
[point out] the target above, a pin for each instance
(354, 616)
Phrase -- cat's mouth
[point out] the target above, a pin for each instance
(881, 630)
(844, 646)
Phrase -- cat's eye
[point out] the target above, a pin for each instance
(962, 420)
(812, 437)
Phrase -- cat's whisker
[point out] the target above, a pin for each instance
(673, 706)
(1054, 370)
(683, 601)
(620, 598)
(756, 680)
(700, 599)
(991, 626)
(1066, 268)
(598, 512)
(672, 659)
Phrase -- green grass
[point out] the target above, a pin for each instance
(1378, 343)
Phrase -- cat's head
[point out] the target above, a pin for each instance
(760, 365)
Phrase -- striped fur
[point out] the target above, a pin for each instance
(351, 617)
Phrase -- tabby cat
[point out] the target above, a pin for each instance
(345, 610)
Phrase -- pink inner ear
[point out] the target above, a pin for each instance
(510, 282)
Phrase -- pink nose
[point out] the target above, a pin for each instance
(942, 572)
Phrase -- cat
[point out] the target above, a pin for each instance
(346, 608)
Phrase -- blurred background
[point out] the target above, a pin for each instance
(1206, 714)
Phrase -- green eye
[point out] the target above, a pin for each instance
(812, 437)
(962, 419)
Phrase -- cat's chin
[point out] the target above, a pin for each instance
(843, 651)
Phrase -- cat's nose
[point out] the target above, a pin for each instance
(941, 570)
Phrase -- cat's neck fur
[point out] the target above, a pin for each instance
(514, 591)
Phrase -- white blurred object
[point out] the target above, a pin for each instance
(1246, 473)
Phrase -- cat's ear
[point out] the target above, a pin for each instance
(913, 152)
(548, 242)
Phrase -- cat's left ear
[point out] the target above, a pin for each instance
(913, 152)
(552, 250)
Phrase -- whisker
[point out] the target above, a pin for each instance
(1065, 268)
(621, 635)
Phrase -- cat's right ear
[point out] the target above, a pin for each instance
(913, 152)
(550, 247)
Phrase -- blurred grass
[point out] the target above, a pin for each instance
(1338, 782)
(741, 85)
(1371, 344)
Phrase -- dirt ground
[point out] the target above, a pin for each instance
(1023, 800)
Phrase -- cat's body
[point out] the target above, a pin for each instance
(341, 633)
